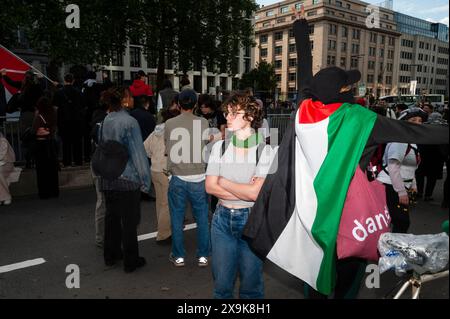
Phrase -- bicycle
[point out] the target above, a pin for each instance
(426, 261)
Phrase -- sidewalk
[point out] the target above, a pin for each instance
(69, 178)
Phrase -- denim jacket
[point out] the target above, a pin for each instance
(121, 127)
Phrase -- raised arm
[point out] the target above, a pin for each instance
(304, 56)
(388, 130)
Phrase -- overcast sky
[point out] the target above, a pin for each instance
(431, 10)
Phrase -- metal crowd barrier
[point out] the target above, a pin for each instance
(10, 127)
(280, 122)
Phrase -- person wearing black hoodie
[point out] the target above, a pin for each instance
(68, 100)
(281, 203)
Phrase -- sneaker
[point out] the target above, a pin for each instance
(177, 262)
(203, 262)
(7, 202)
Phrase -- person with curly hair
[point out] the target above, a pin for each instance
(236, 171)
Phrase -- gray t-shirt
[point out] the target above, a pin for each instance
(240, 168)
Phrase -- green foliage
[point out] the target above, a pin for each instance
(190, 31)
(262, 78)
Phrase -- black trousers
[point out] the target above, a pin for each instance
(121, 221)
(46, 159)
(429, 188)
(72, 145)
(399, 213)
(349, 275)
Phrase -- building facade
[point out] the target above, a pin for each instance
(122, 68)
(341, 36)
(423, 55)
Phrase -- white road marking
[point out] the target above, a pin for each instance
(153, 235)
(24, 264)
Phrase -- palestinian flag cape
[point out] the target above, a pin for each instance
(322, 155)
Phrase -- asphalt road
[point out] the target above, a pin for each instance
(62, 233)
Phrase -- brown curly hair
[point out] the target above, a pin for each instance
(113, 97)
(241, 101)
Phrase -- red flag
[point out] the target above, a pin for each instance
(15, 67)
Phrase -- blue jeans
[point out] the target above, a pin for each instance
(231, 255)
(179, 192)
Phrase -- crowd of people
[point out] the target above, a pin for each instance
(280, 203)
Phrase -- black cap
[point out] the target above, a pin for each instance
(327, 83)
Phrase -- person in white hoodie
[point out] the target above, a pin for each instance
(156, 151)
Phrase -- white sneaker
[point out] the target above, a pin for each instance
(177, 262)
(7, 202)
(203, 262)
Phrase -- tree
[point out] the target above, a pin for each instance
(104, 29)
(188, 31)
(196, 32)
(261, 79)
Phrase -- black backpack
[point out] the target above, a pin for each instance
(109, 159)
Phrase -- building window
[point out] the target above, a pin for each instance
(355, 48)
(117, 59)
(331, 60)
(311, 29)
(372, 51)
(278, 36)
(284, 9)
(383, 39)
(389, 80)
(339, 3)
(391, 41)
(381, 53)
(278, 50)
(356, 34)
(278, 64)
(278, 77)
(371, 65)
(292, 77)
(135, 57)
(270, 13)
(117, 77)
(373, 37)
(353, 18)
(311, 13)
(344, 32)
(343, 46)
(331, 45)
(263, 53)
(391, 54)
(247, 65)
(292, 48)
(332, 29)
(354, 63)
(263, 38)
(343, 62)
(292, 62)
(369, 78)
(298, 6)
